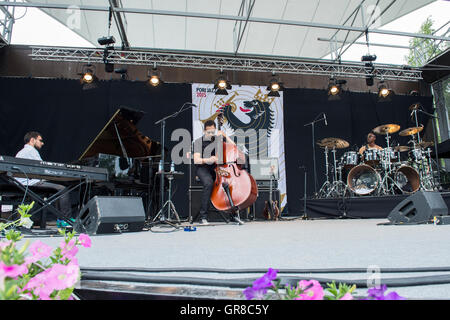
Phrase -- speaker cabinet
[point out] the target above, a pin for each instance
(419, 208)
(111, 214)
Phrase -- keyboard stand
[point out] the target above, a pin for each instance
(44, 203)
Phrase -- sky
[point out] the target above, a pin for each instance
(37, 28)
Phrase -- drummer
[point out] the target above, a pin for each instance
(371, 137)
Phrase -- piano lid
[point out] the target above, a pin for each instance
(121, 137)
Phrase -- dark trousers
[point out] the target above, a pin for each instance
(207, 176)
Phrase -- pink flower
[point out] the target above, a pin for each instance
(85, 240)
(347, 296)
(38, 250)
(61, 276)
(69, 250)
(13, 271)
(312, 290)
(39, 287)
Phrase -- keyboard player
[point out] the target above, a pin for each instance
(33, 143)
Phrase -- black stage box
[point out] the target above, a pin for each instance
(111, 214)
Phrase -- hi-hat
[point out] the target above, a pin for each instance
(386, 128)
(401, 148)
(426, 144)
(333, 143)
(411, 131)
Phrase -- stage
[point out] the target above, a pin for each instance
(358, 207)
(218, 261)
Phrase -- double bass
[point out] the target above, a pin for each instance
(234, 188)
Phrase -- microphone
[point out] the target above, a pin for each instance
(325, 117)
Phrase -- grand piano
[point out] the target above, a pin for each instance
(130, 157)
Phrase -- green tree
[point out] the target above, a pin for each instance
(423, 50)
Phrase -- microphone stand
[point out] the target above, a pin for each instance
(314, 148)
(162, 217)
(305, 215)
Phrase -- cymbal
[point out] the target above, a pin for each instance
(386, 128)
(333, 143)
(401, 148)
(411, 131)
(426, 144)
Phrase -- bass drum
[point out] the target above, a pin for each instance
(363, 180)
(407, 179)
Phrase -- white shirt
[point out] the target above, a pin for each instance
(28, 152)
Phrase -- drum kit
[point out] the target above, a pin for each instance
(378, 172)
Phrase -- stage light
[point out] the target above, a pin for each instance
(88, 74)
(221, 85)
(106, 40)
(88, 77)
(335, 86)
(369, 80)
(384, 92)
(154, 77)
(274, 86)
(123, 73)
(369, 57)
(154, 81)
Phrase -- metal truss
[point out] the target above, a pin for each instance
(226, 62)
(6, 22)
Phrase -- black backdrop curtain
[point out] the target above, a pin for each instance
(351, 118)
(69, 118)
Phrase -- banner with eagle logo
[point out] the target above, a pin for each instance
(247, 111)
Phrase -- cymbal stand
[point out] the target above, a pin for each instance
(324, 190)
(336, 190)
(387, 183)
(427, 181)
(417, 125)
(387, 168)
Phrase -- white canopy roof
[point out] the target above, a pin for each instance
(289, 28)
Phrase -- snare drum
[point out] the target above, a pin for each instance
(372, 157)
(350, 159)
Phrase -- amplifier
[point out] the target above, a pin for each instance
(266, 184)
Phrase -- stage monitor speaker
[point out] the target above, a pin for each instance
(111, 214)
(419, 207)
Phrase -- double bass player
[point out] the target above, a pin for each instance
(205, 161)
